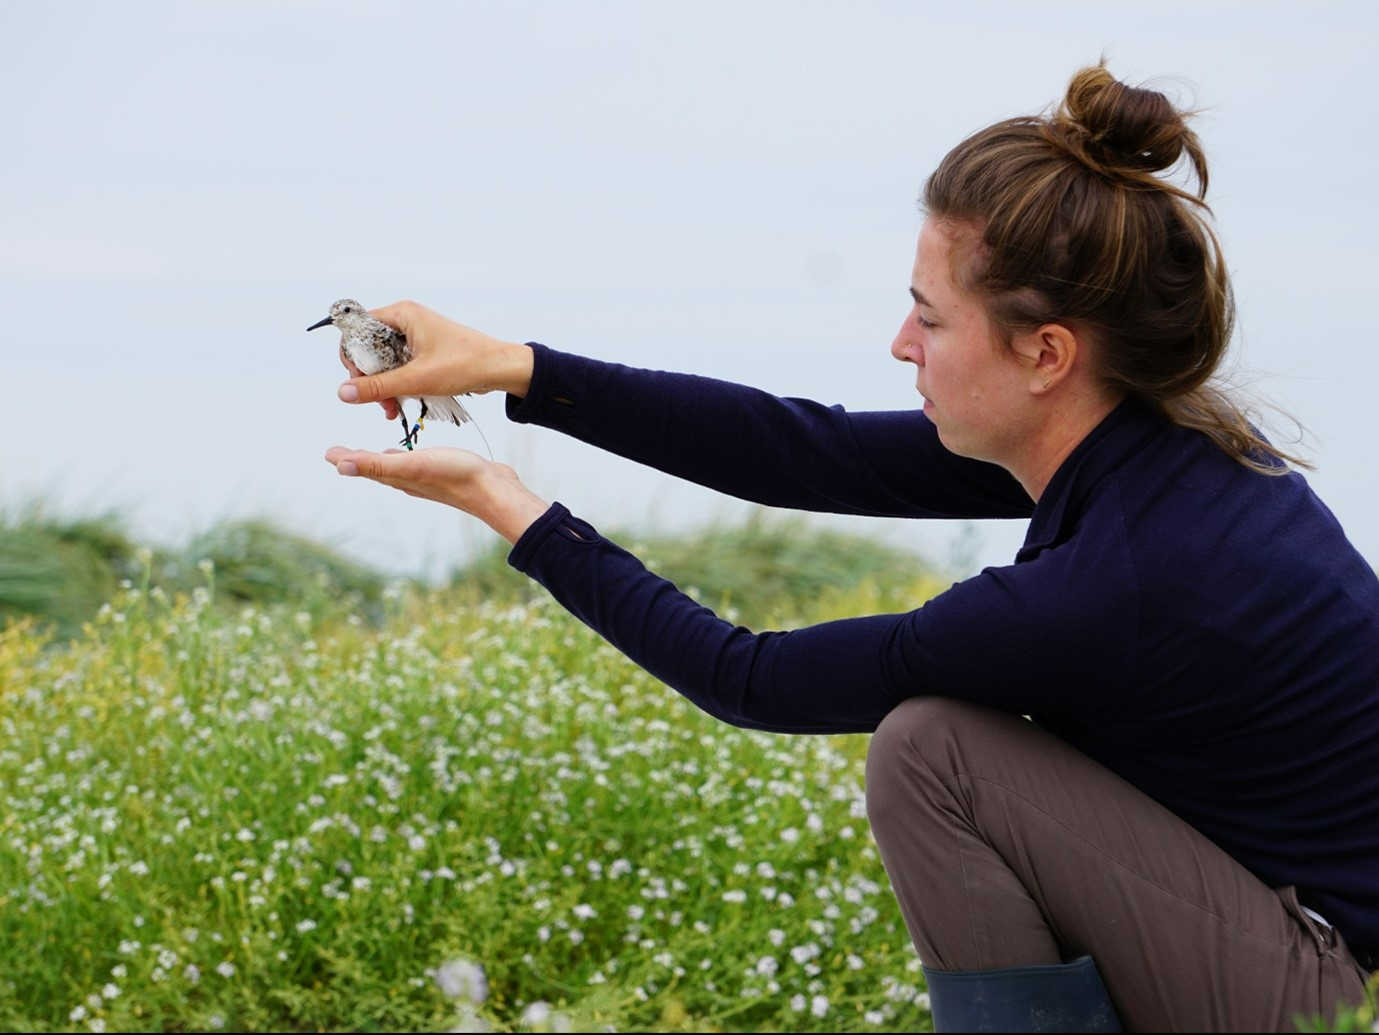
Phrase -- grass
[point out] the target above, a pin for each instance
(268, 816)
(60, 571)
(758, 571)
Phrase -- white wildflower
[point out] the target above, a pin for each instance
(804, 953)
(460, 978)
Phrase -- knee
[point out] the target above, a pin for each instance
(911, 753)
(915, 729)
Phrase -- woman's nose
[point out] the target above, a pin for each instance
(903, 347)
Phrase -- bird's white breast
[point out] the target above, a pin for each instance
(364, 354)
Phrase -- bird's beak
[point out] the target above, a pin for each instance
(319, 323)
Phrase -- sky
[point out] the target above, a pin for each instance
(723, 188)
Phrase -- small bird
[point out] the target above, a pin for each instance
(374, 347)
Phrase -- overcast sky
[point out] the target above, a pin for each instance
(722, 188)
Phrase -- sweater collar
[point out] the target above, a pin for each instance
(1118, 437)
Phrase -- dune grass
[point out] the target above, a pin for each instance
(60, 570)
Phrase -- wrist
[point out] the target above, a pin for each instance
(503, 503)
(516, 362)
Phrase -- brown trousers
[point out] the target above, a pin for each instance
(1007, 847)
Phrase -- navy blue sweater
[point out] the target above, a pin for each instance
(1203, 630)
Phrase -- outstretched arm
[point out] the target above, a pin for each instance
(738, 440)
(745, 678)
(998, 638)
(763, 448)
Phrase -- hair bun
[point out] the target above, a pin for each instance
(1120, 127)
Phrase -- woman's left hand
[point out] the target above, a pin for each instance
(458, 478)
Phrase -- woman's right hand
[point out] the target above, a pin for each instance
(447, 359)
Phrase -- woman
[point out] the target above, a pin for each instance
(1192, 815)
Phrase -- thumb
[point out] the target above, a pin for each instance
(371, 388)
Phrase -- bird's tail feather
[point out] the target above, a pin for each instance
(444, 407)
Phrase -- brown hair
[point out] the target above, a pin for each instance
(1072, 223)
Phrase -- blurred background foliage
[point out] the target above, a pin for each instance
(761, 572)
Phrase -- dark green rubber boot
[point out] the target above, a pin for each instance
(1067, 997)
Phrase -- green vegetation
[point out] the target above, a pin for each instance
(61, 571)
(393, 808)
(1359, 1018)
(251, 785)
(760, 572)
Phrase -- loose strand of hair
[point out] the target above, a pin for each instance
(1210, 410)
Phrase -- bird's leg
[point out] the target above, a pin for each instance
(408, 437)
(413, 436)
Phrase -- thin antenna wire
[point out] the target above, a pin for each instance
(482, 436)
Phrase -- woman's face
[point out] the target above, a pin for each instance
(974, 388)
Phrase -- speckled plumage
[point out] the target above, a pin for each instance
(374, 347)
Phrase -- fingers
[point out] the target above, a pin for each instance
(399, 316)
(389, 466)
(344, 459)
(455, 477)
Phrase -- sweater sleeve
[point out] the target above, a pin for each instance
(758, 447)
(1000, 638)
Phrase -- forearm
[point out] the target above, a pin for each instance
(998, 639)
(835, 678)
(776, 451)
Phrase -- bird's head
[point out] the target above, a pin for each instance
(341, 313)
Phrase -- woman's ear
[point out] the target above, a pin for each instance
(1049, 352)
